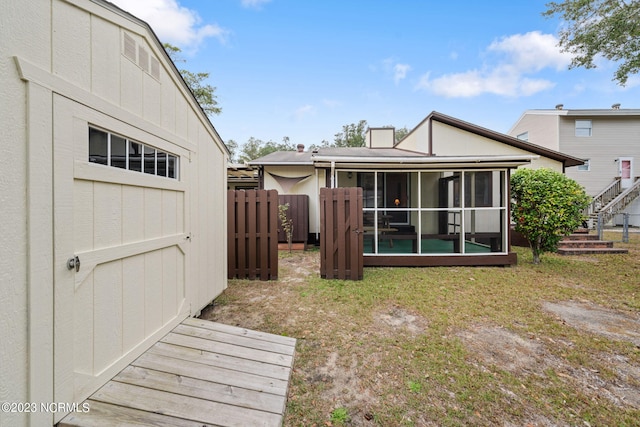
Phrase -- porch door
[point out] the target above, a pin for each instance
(625, 165)
(120, 256)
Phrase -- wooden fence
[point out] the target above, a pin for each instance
(298, 211)
(341, 233)
(252, 241)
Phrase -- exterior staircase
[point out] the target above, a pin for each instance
(610, 201)
(583, 243)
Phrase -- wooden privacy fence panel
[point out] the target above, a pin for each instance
(299, 212)
(341, 233)
(252, 240)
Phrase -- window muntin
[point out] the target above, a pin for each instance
(106, 148)
(583, 128)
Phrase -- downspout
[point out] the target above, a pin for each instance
(317, 210)
(333, 174)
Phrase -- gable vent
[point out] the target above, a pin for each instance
(143, 58)
(155, 68)
(129, 47)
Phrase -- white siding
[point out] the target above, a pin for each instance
(451, 141)
(612, 137)
(74, 48)
(542, 128)
(310, 186)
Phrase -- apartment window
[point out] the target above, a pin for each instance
(524, 136)
(586, 167)
(583, 127)
(106, 148)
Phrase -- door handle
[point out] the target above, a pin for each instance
(73, 263)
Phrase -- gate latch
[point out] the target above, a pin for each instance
(74, 263)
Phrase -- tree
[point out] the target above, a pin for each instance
(546, 206)
(232, 146)
(401, 133)
(204, 93)
(352, 135)
(255, 148)
(610, 28)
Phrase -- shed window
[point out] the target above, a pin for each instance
(583, 127)
(106, 148)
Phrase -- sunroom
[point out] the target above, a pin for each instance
(433, 211)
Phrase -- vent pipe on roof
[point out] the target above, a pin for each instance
(559, 106)
(300, 148)
(615, 106)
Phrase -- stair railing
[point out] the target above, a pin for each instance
(604, 197)
(620, 202)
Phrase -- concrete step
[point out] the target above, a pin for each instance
(581, 231)
(568, 244)
(591, 251)
(581, 236)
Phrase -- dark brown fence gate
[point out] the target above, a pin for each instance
(252, 242)
(298, 211)
(341, 233)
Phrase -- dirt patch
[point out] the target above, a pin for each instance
(505, 349)
(398, 320)
(500, 348)
(598, 320)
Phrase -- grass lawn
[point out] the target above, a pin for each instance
(541, 345)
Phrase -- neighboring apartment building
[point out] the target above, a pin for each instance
(609, 139)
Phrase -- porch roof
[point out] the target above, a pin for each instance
(363, 157)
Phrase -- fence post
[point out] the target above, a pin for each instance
(625, 227)
(600, 231)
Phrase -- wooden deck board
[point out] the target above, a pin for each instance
(200, 374)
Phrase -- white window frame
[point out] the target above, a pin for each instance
(584, 128)
(168, 156)
(586, 167)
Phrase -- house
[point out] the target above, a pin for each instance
(609, 140)
(440, 196)
(241, 177)
(113, 188)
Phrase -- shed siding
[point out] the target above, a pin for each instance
(74, 47)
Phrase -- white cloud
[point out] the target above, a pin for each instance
(254, 4)
(304, 111)
(532, 51)
(173, 23)
(400, 72)
(519, 57)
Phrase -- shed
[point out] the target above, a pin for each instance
(113, 191)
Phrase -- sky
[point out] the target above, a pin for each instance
(303, 69)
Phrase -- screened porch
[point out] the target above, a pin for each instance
(432, 213)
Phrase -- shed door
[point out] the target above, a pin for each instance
(128, 230)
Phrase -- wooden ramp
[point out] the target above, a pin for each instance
(200, 374)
